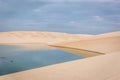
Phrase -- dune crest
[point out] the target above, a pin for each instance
(104, 43)
(37, 37)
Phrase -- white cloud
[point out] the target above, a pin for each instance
(36, 10)
(98, 18)
(74, 23)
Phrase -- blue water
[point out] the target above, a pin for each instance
(14, 59)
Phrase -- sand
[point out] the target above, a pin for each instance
(31, 40)
(105, 65)
(103, 43)
(30, 37)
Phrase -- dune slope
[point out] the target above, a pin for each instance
(103, 67)
(37, 37)
(104, 43)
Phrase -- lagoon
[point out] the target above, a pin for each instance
(16, 58)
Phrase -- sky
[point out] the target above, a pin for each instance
(69, 16)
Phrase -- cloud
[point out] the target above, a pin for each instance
(74, 23)
(13, 12)
(61, 15)
(98, 18)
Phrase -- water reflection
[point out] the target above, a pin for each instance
(15, 58)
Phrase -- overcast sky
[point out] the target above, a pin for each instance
(71, 16)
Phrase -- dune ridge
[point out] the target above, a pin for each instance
(37, 37)
(103, 43)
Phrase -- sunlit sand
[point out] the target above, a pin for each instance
(102, 52)
(104, 43)
(28, 37)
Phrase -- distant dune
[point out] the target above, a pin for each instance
(85, 45)
(103, 43)
(37, 37)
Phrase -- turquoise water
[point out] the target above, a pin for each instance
(14, 59)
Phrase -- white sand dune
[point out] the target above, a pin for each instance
(104, 67)
(37, 37)
(104, 43)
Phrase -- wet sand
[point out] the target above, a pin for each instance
(104, 43)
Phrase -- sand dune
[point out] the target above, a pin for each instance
(104, 43)
(76, 43)
(37, 37)
(104, 67)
